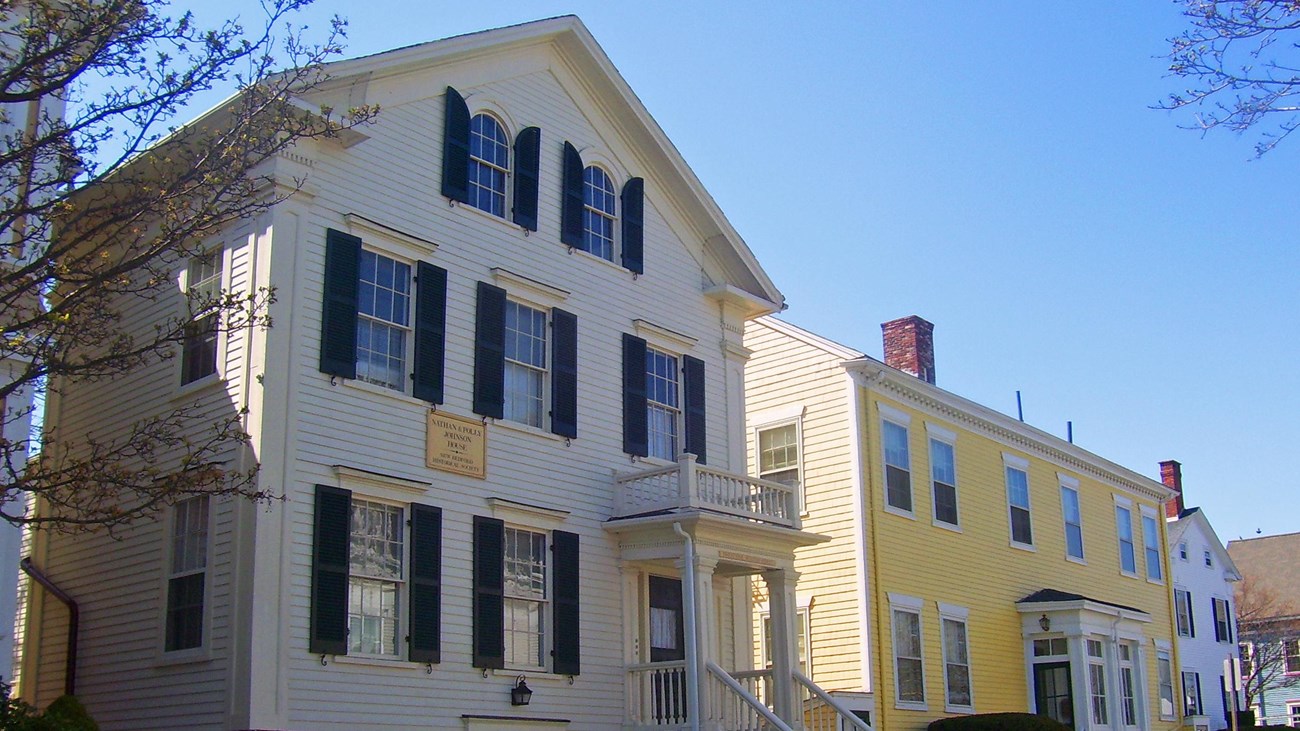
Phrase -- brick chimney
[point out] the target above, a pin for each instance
(909, 346)
(1171, 473)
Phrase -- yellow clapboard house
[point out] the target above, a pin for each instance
(976, 564)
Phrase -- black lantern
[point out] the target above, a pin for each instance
(521, 694)
(1045, 623)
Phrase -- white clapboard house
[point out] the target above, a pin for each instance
(503, 401)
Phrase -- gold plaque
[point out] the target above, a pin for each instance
(457, 445)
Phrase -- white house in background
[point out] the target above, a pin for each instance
(1204, 611)
(503, 400)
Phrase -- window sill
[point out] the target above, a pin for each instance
(1075, 559)
(183, 657)
(502, 220)
(967, 710)
(906, 706)
(399, 396)
(1129, 574)
(527, 429)
(575, 251)
(1157, 582)
(377, 662)
(899, 512)
(1023, 546)
(210, 382)
(946, 526)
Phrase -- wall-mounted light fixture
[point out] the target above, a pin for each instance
(521, 694)
(1045, 623)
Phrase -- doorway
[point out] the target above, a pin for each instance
(1053, 694)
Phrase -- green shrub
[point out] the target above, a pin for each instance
(997, 722)
(67, 714)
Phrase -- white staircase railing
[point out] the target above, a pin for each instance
(737, 709)
(822, 712)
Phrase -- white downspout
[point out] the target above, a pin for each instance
(692, 653)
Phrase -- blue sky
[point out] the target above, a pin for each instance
(995, 168)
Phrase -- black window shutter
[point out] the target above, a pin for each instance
(490, 351)
(329, 571)
(566, 658)
(571, 201)
(1200, 701)
(430, 331)
(338, 324)
(489, 592)
(564, 378)
(1214, 617)
(633, 200)
(528, 153)
(693, 388)
(455, 148)
(1191, 621)
(426, 584)
(635, 437)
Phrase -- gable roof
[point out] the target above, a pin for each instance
(569, 38)
(1195, 518)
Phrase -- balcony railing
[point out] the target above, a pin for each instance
(692, 486)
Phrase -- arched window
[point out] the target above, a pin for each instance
(598, 213)
(489, 161)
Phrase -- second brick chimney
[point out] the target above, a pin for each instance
(909, 346)
(1171, 473)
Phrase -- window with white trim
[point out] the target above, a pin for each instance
(663, 403)
(1165, 679)
(187, 575)
(1151, 546)
(1097, 682)
(1246, 652)
(1073, 518)
(1018, 512)
(1182, 551)
(943, 479)
(1291, 656)
(376, 570)
(203, 290)
(489, 164)
(802, 633)
(1183, 613)
(598, 213)
(778, 456)
(898, 466)
(383, 320)
(1293, 714)
(956, 660)
(1209, 560)
(1124, 529)
(1191, 693)
(1222, 619)
(526, 598)
(909, 663)
(1127, 685)
(525, 364)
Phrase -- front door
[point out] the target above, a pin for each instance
(1053, 696)
(667, 645)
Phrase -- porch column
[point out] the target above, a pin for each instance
(706, 626)
(785, 650)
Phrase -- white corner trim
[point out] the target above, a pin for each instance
(663, 337)
(943, 434)
(360, 224)
(1015, 460)
(902, 601)
(952, 611)
(531, 286)
(774, 417)
(898, 416)
(1069, 481)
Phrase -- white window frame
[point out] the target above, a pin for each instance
(797, 423)
(959, 615)
(673, 411)
(1151, 541)
(1209, 559)
(534, 519)
(1293, 713)
(542, 373)
(590, 211)
(901, 604)
(203, 649)
(401, 584)
(902, 420)
(1182, 551)
(1070, 484)
(1129, 694)
(1165, 670)
(472, 184)
(544, 603)
(222, 257)
(1223, 632)
(1193, 705)
(1287, 646)
(803, 620)
(1183, 608)
(936, 433)
(1098, 703)
(1019, 464)
(1125, 505)
(408, 330)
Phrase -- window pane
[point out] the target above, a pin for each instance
(489, 160)
(895, 437)
(525, 591)
(907, 654)
(383, 307)
(661, 404)
(598, 213)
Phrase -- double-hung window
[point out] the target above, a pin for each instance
(1222, 619)
(376, 556)
(1191, 693)
(1073, 518)
(778, 456)
(801, 639)
(1151, 546)
(1127, 685)
(525, 598)
(598, 207)
(525, 364)
(1097, 682)
(956, 660)
(909, 665)
(1019, 515)
(1165, 678)
(383, 320)
(186, 581)
(1291, 656)
(1183, 613)
(663, 403)
(943, 475)
(898, 461)
(203, 289)
(489, 163)
(1246, 652)
(1124, 530)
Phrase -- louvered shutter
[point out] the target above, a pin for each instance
(430, 332)
(528, 151)
(635, 437)
(329, 571)
(490, 351)
(693, 388)
(338, 328)
(425, 636)
(489, 593)
(455, 148)
(566, 657)
(571, 200)
(564, 376)
(633, 200)
(1191, 619)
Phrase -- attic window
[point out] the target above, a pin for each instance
(1209, 559)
